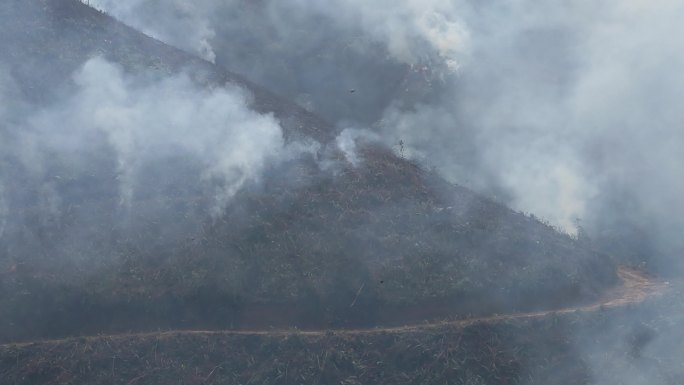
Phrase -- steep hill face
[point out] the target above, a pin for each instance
(45, 41)
(323, 238)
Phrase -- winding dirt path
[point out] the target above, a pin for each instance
(635, 288)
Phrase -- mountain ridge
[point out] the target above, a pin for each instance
(347, 241)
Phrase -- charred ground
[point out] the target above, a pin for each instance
(558, 348)
(318, 242)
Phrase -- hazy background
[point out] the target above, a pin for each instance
(568, 110)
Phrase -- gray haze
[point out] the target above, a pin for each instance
(567, 110)
(130, 144)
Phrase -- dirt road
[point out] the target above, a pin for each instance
(636, 287)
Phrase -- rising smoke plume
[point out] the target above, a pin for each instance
(137, 139)
(565, 110)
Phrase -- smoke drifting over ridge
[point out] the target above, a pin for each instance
(565, 110)
(193, 31)
(537, 112)
(138, 137)
(403, 28)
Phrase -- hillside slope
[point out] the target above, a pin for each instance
(45, 41)
(318, 241)
(592, 347)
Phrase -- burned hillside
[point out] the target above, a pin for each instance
(330, 241)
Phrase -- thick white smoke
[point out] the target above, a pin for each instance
(556, 109)
(147, 120)
(410, 29)
(562, 107)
